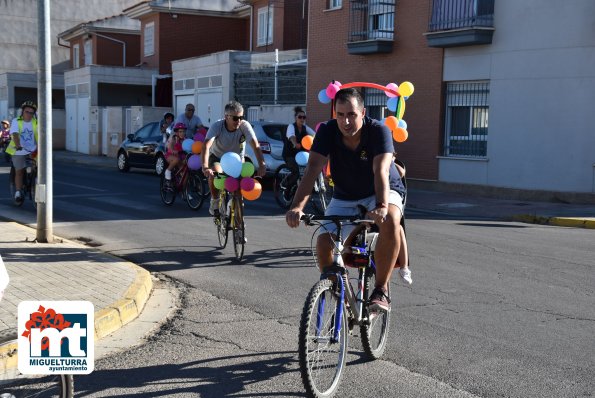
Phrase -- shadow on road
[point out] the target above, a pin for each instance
(205, 378)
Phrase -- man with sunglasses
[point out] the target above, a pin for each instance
(229, 134)
(24, 142)
(191, 121)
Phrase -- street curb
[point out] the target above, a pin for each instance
(119, 313)
(572, 222)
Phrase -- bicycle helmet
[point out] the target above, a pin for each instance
(29, 104)
(179, 126)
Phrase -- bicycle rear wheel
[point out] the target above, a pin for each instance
(239, 239)
(193, 190)
(374, 329)
(283, 193)
(168, 191)
(321, 356)
(221, 221)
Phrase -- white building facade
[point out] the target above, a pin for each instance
(524, 101)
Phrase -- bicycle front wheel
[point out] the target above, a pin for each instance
(283, 193)
(55, 386)
(375, 326)
(322, 355)
(321, 195)
(193, 191)
(221, 221)
(239, 240)
(168, 191)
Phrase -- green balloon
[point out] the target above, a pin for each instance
(219, 182)
(247, 169)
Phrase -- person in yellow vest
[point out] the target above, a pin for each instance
(24, 142)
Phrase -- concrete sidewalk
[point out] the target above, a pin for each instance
(66, 270)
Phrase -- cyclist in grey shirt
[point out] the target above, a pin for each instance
(229, 134)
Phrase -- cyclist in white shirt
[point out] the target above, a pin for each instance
(23, 130)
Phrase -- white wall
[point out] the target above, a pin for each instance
(18, 20)
(542, 90)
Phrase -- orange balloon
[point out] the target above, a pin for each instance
(400, 134)
(391, 122)
(307, 141)
(254, 193)
(197, 147)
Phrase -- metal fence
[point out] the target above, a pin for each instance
(266, 78)
(457, 14)
(467, 110)
(371, 19)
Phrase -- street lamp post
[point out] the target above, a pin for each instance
(44, 191)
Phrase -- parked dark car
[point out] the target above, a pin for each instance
(270, 136)
(143, 149)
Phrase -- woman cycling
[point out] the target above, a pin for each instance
(292, 143)
(175, 153)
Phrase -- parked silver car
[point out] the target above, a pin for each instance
(270, 137)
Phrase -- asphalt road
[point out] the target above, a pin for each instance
(496, 308)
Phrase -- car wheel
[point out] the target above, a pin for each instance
(123, 163)
(160, 165)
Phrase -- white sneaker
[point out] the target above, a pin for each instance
(213, 206)
(17, 195)
(405, 274)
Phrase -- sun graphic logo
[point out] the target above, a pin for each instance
(56, 337)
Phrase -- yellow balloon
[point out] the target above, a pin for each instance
(406, 89)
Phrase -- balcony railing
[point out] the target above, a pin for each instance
(460, 22)
(372, 25)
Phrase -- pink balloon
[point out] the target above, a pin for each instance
(232, 184)
(394, 87)
(338, 83)
(247, 184)
(331, 90)
(317, 126)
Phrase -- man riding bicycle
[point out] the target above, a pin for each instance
(360, 151)
(24, 142)
(229, 134)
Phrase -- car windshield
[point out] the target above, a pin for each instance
(275, 131)
(149, 131)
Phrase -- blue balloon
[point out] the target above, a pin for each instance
(402, 124)
(322, 97)
(391, 104)
(231, 163)
(302, 157)
(187, 144)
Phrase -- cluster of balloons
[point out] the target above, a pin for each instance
(302, 157)
(238, 176)
(194, 147)
(397, 95)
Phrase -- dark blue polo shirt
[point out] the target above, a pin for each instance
(352, 171)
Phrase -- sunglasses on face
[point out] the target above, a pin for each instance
(29, 112)
(301, 117)
(189, 110)
(236, 118)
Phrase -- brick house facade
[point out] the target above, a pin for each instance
(409, 60)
